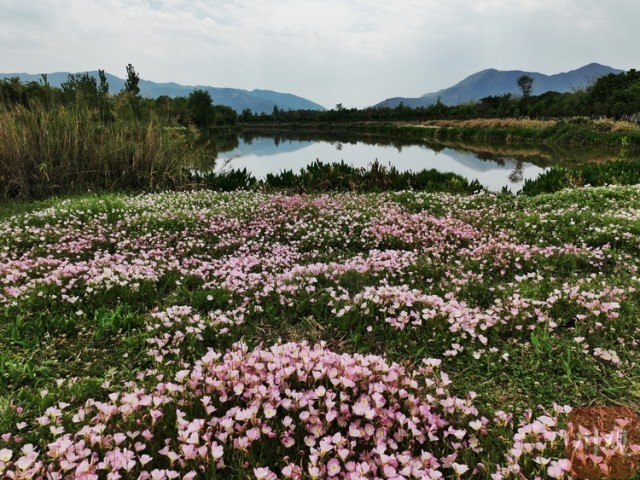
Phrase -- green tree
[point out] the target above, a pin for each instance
(438, 110)
(103, 94)
(525, 84)
(44, 92)
(225, 115)
(12, 92)
(80, 88)
(246, 115)
(200, 107)
(104, 85)
(133, 79)
(129, 102)
(615, 94)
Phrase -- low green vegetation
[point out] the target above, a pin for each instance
(609, 173)
(338, 177)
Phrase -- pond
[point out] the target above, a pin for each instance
(494, 166)
(263, 155)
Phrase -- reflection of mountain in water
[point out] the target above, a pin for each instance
(472, 162)
(262, 155)
(264, 147)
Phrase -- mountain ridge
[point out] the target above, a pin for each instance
(257, 100)
(491, 81)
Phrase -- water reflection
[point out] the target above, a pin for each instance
(263, 155)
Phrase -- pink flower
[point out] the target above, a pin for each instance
(217, 451)
(269, 411)
(263, 473)
(158, 474)
(558, 469)
(389, 471)
(333, 467)
(5, 455)
(459, 468)
(24, 462)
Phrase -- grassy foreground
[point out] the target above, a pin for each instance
(249, 335)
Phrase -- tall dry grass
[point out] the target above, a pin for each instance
(610, 125)
(493, 123)
(44, 151)
(602, 125)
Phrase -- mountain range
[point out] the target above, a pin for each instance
(473, 88)
(498, 82)
(258, 101)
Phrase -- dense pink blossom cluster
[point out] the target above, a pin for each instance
(319, 414)
(294, 410)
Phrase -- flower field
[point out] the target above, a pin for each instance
(245, 335)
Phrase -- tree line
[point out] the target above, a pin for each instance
(86, 91)
(614, 96)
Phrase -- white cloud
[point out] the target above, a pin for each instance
(356, 52)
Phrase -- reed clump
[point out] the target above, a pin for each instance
(50, 150)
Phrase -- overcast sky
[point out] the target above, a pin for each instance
(354, 52)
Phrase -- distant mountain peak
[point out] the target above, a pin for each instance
(491, 81)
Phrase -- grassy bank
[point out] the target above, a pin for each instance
(577, 131)
(572, 131)
(253, 335)
(599, 174)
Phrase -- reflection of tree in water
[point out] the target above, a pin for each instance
(517, 174)
(338, 146)
(490, 156)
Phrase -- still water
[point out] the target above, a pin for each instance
(263, 155)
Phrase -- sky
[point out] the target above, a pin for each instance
(353, 52)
